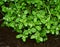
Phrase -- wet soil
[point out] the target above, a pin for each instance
(8, 39)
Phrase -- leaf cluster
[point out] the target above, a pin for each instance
(32, 18)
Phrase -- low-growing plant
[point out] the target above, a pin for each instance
(32, 18)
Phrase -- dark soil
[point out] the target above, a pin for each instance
(8, 39)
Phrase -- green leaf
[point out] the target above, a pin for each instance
(40, 39)
(53, 31)
(38, 28)
(33, 37)
(35, 19)
(4, 0)
(57, 32)
(33, 30)
(48, 25)
(33, 12)
(45, 39)
(17, 20)
(26, 11)
(24, 38)
(11, 24)
(4, 9)
(1, 3)
(20, 26)
(26, 32)
(19, 36)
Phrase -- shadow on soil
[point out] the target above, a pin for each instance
(8, 39)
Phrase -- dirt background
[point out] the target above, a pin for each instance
(8, 39)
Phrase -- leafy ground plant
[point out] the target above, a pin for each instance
(32, 18)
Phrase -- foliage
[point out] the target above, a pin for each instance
(32, 18)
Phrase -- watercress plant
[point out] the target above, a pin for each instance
(32, 18)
